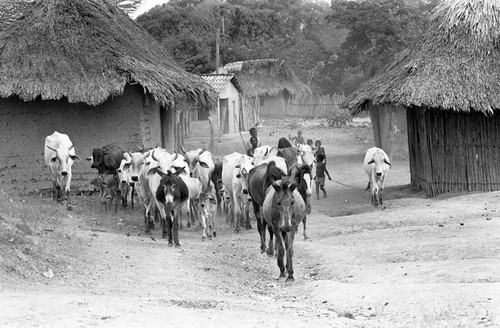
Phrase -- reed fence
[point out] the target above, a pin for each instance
(314, 106)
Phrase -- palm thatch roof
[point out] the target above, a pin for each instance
(87, 51)
(454, 66)
(262, 77)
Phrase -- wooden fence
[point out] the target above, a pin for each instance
(314, 106)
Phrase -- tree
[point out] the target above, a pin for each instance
(378, 30)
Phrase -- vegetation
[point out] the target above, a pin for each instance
(332, 48)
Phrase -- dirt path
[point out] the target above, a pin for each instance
(413, 262)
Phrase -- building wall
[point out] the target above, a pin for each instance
(452, 151)
(390, 130)
(130, 120)
(273, 106)
(233, 99)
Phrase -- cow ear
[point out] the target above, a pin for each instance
(292, 187)
(75, 157)
(88, 158)
(204, 165)
(387, 162)
(126, 166)
(372, 161)
(212, 200)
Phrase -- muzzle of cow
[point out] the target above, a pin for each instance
(64, 173)
(244, 191)
(135, 178)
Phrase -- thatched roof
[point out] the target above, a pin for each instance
(454, 66)
(261, 77)
(87, 51)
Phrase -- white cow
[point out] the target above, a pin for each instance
(206, 205)
(201, 165)
(59, 154)
(376, 164)
(124, 184)
(263, 152)
(235, 167)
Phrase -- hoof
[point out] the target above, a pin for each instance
(188, 224)
(290, 279)
(177, 245)
(170, 244)
(305, 236)
(215, 234)
(270, 253)
(69, 208)
(203, 238)
(248, 227)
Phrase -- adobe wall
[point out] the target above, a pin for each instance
(24, 126)
(274, 106)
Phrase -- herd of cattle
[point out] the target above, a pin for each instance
(276, 182)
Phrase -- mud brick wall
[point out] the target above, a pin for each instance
(128, 120)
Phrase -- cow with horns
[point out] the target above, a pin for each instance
(59, 154)
(201, 165)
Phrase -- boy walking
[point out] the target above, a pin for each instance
(321, 170)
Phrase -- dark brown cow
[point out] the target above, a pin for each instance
(106, 159)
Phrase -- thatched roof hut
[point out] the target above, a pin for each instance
(85, 68)
(87, 51)
(267, 83)
(448, 83)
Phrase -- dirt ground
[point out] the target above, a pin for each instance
(413, 262)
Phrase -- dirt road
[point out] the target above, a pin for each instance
(413, 262)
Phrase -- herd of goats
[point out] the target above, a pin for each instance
(276, 182)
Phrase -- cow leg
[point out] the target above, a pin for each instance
(68, 201)
(132, 192)
(289, 237)
(304, 223)
(248, 225)
(204, 225)
(211, 226)
(237, 216)
(261, 226)
(280, 250)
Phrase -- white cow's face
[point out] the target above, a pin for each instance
(379, 162)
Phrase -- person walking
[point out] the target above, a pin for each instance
(321, 171)
(319, 150)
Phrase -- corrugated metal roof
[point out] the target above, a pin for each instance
(218, 81)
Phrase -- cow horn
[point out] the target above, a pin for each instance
(201, 151)
(176, 155)
(182, 149)
(51, 148)
(145, 155)
(127, 156)
(154, 157)
(267, 151)
(71, 147)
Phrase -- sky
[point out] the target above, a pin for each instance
(147, 5)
